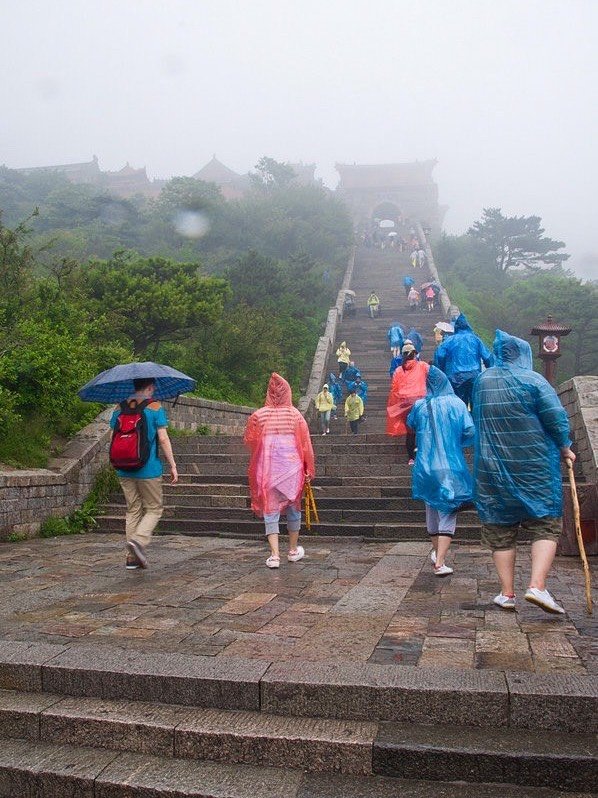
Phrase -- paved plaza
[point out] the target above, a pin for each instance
(346, 601)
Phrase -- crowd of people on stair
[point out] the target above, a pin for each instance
(469, 396)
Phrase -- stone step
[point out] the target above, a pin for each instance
(235, 737)
(352, 455)
(227, 736)
(212, 490)
(357, 469)
(464, 753)
(48, 770)
(179, 508)
(401, 479)
(343, 690)
(253, 527)
(323, 445)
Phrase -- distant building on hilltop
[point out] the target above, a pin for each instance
(231, 184)
(391, 191)
(125, 182)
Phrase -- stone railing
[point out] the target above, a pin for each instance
(28, 497)
(579, 397)
(318, 373)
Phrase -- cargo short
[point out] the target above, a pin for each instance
(498, 537)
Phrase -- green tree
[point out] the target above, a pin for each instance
(152, 300)
(517, 241)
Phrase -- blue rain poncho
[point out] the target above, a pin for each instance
(395, 335)
(443, 426)
(408, 281)
(361, 388)
(520, 427)
(394, 364)
(415, 339)
(460, 355)
(350, 374)
(335, 387)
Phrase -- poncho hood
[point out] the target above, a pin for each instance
(512, 351)
(461, 324)
(437, 383)
(279, 392)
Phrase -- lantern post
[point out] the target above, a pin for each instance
(549, 335)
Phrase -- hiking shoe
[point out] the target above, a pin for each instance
(433, 557)
(136, 549)
(298, 555)
(544, 600)
(442, 570)
(411, 461)
(132, 563)
(273, 562)
(505, 602)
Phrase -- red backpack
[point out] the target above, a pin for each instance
(130, 447)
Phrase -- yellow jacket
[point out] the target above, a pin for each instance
(324, 401)
(373, 300)
(353, 407)
(343, 353)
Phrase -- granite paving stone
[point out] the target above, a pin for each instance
(352, 600)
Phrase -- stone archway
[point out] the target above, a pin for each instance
(385, 212)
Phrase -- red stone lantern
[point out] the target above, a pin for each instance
(549, 338)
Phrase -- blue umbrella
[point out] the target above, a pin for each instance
(116, 384)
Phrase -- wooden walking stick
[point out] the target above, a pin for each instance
(578, 535)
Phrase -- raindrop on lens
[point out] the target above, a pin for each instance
(191, 224)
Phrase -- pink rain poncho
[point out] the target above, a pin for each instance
(281, 451)
(408, 385)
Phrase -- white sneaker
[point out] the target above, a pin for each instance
(273, 562)
(299, 555)
(505, 602)
(433, 557)
(442, 570)
(544, 600)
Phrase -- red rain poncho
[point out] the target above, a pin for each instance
(407, 386)
(281, 451)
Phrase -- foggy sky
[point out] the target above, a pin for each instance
(502, 92)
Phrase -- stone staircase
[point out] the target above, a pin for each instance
(109, 723)
(363, 486)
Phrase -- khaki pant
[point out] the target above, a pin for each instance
(144, 507)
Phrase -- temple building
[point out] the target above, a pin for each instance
(391, 191)
(125, 182)
(231, 184)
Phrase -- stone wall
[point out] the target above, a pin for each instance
(580, 399)
(28, 497)
(318, 372)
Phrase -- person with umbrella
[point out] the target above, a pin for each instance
(139, 425)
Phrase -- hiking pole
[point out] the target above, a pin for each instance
(578, 535)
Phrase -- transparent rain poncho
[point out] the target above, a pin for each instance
(520, 427)
(395, 335)
(281, 451)
(461, 355)
(443, 426)
(407, 386)
(394, 364)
